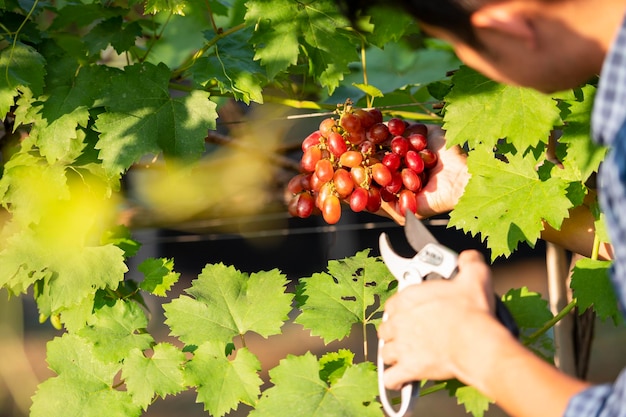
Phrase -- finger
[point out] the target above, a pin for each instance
(396, 376)
(472, 267)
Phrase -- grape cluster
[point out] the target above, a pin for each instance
(359, 159)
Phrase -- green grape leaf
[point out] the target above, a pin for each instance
(116, 330)
(222, 383)
(143, 119)
(227, 303)
(581, 155)
(351, 292)
(531, 312)
(174, 7)
(159, 276)
(121, 237)
(298, 391)
(479, 110)
(112, 32)
(283, 27)
(474, 401)
(592, 288)
(385, 25)
(334, 364)
(81, 15)
(233, 68)
(160, 374)
(20, 66)
(84, 385)
(507, 201)
(528, 308)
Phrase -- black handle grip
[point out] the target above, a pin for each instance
(505, 317)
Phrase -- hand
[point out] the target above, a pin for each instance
(446, 181)
(431, 327)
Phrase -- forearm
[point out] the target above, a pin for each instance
(521, 383)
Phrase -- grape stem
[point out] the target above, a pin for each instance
(550, 323)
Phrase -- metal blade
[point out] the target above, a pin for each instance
(417, 234)
(396, 264)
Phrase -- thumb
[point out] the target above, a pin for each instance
(475, 273)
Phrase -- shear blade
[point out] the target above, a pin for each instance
(417, 234)
(396, 264)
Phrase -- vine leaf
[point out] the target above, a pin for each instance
(331, 303)
(160, 374)
(473, 400)
(580, 155)
(593, 289)
(479, 110)
(159, 276)
(227, 303)
(531, 312)
(143, 119)
(233, 67)
(222, 383)
(84, 385)
(507, 201)
(283, 27)
(116, 330)
(20, 66)
(298, 391)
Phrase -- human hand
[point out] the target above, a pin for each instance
(445, 184)
(431, 328)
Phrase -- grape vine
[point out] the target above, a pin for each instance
(116, 114)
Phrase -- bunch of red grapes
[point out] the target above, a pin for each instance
(358, 159)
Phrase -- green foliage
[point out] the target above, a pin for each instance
(593, 289)
(89, 90)
(351, 292)
(299, 390)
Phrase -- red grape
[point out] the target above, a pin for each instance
(367, 119)
(411, 180)
(414, 161)
(356, 137)
(416, 128)
(378, 133)
(350, 123)
(343, 183)
(381, 174)
(378, 116)
(304, 205)
(407, 201)
(331, 209)
(392, 161)
(396, 126)
(395, 185)
(373, 199)
(429, 157)
(351, 159)
(360, 176)
(296, 184)
(400, 145)
(336, 144)
(359, 199)
(311, 140)
(324, 170)
(418, 141)
(310, 158)
(327, 126)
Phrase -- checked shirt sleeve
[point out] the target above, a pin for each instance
(600, 400)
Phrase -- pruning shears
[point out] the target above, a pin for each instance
(431, 260)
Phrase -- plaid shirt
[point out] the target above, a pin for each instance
(609, 128)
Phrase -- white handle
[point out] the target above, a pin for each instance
(406, 393)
